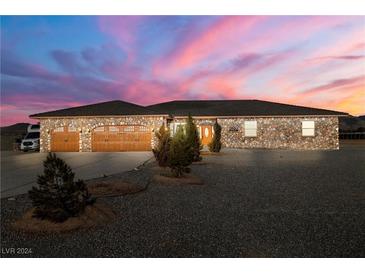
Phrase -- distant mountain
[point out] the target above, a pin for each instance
(15, 129)
(10, 133)
(352, 123)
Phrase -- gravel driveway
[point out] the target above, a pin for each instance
(254, 203)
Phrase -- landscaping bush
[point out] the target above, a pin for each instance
(215, 145)
(193, 139)
(161, 151)
(180, 154)
(58, 196)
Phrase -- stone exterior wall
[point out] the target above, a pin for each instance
(87, 124)
(281, 132)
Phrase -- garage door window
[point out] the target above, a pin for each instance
(308, 128)
(143, 129)
(115, 129)
(250, 128)
(128, 129)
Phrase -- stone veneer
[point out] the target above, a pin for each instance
(277, 132)
(281, 132)
(272, 132)
(85, 125)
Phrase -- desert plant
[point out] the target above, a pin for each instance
(58, 196)
(193, 138)
(180, 154)
(215, 145)
(161, 150)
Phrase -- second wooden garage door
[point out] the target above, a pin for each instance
(65, 139)
(121, 138)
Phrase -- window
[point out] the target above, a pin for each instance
(250, 128)
(115, 129)
(307, 128)
(128, 128)
(199, 129)
(35, 127)
(59, 129)
(32, 135)
(177, 125)
(99, 129)
(143, 129)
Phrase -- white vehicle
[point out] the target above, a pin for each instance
(31, 140)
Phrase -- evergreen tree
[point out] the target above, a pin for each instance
(215, 145)
(57, 196)
(180, 153)
(193, 139)
(162, 149)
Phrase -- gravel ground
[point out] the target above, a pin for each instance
(254, 203)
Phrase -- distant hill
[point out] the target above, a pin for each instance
(352, 123)
(18, 128)
(10, 133)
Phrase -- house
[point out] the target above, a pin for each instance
(122, 126)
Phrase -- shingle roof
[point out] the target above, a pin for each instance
(236, 108)
(101, 109)
(195, 108)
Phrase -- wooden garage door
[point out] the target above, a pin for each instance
(65, 139)
(121, 138)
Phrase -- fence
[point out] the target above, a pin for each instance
(352, 135)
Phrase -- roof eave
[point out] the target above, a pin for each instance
(35, 116)
(264, 116)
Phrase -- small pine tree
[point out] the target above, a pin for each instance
(193, 139)
(180, 153)
(215, 145)
(57, 196)
(162, 149)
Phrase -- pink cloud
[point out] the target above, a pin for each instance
(124, 30)
(223, 40)
(205, 44)
(346, 46)
(339, 83)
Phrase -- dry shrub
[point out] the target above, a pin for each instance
(113, 188)
(186, 179)
(93, 215)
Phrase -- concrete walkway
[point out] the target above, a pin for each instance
(19, 170)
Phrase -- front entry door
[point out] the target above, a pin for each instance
(206, 134)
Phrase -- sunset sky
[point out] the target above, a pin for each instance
(55, 62)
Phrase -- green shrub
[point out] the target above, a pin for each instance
(161, 151)
(180, 154)
(215, 145)
(193, 139)
(58, 196)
